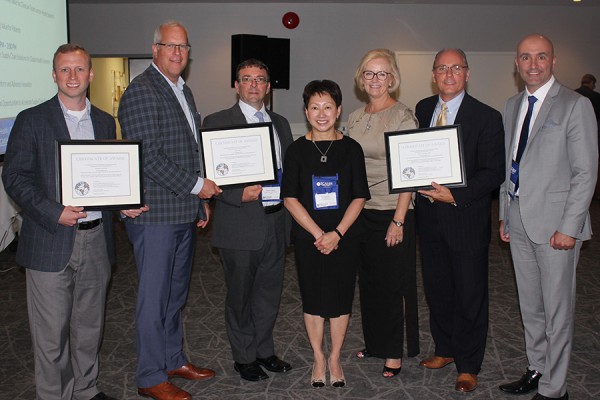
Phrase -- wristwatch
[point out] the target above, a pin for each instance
(397, 223)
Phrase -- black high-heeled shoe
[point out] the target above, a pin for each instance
(392, 371)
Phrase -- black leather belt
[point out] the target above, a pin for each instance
(274, 208)
(84, 226)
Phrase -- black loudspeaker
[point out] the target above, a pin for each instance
(274, 52)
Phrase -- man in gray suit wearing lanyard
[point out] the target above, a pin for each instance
(551, 157)
(251, 233)
(159, 109)
(66, 250)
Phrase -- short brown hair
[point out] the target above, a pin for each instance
(70, 48)
(249, 63)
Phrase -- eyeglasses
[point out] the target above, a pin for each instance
(443, 69)
(183, 48)
(259, 80)
(381, 75)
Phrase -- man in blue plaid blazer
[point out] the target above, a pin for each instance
(158, 109)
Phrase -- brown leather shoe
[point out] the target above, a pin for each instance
(189, 371)
(436, 362)
(165, 391)
(466, 382)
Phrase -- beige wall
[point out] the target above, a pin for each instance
(110, 80)
(331, 38)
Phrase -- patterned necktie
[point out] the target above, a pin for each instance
(260, 116)
(442, 118)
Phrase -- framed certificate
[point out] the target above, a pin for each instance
(238, 156)
(100, 174)
(417, 157)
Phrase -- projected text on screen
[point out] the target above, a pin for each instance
(30, 32)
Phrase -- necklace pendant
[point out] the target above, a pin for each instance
(323, 159)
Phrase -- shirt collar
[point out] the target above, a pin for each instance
(541, 93)
(453, 106)
(65, 110)
(178, 85)
(249, 111)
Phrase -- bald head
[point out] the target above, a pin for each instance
(535, 61)
(537, 37)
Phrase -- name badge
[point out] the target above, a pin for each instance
(514, 175)
(271, 194)
(325, 192)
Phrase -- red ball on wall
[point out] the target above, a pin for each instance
(290, 20)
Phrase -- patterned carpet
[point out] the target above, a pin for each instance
(206, 340)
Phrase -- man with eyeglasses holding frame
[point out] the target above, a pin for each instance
(454, 225)
(251, 231)
(158, 109)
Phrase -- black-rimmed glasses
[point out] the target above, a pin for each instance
(247, 80)
(172, 46)
(381, 75)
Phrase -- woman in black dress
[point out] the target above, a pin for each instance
(325, 188)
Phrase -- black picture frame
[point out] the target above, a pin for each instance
(240, 155)
(417, 157)
(100, 175)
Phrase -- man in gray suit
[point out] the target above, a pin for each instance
(552, 156)
(67, 252)
(158, 109)
(251, 233)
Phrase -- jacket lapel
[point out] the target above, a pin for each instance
(544, 111)
(167, 91)
(513, 116)
(58, 119)
(463, 111)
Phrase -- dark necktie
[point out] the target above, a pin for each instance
(524, 134)
(525, 129)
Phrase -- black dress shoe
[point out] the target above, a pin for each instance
(541, 397)
(102, 396)
(274, 364)
(250, 372)
(527, 383)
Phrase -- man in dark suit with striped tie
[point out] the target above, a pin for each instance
(454, 225)
(251, 233)
(158, 109)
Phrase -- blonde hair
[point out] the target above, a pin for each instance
(371, 55)
(168, 24)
